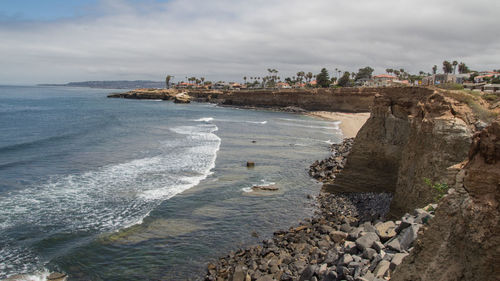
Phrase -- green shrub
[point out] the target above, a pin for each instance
(440, 188)
(491, 97)
(451, 86)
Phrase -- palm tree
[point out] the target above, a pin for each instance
(455, 63)
(309, 76)
(434, 69)
(202, 79)
(245, 79)
(167, 80)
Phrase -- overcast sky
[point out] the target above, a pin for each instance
(58, 41)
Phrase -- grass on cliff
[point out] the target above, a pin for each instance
(440, 188)
(475, 100)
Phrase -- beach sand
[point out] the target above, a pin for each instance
(350, 122)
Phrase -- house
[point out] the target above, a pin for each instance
(283, 85)
(221, 85)
(184, 85)
(482, 78)
(383, 80)
(364, 82)
(444, 78)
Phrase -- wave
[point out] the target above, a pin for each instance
(205, 119)
(108, 198)
(249, 189)
(333, 125)
(57, 138)
(210, 119)
(308, 121)
(36, 143)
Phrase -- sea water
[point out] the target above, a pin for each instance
(114, 189)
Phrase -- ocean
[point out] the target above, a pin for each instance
(114, 189)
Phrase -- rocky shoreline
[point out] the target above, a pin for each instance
(346, 239)
(327, 169)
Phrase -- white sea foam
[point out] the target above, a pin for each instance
(255, 122)
(205, 119)
(108, 198)
(332, 125)
(309, 121)
(261, 183)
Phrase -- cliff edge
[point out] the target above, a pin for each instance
(412, 134)
(463, 241)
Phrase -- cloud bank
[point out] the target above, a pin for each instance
(222, 39)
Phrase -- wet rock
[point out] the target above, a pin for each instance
(267, 277)
(250, 164)
(238, 274)
(338, 236)
(265, 187)
(57, 276)
(307, 273)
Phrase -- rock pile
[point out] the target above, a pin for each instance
(334, 245)
(326, 170)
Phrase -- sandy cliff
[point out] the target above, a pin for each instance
(412, 134)
(463, 241)
(345, 100)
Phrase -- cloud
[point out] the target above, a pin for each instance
(222, 39)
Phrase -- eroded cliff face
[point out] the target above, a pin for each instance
(344, 99)
(463, 241)
(412, 134)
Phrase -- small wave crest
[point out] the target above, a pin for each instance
(205, 119)
(249, 189)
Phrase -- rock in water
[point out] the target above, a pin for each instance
(182, 98)
(265, 187)
(250, 164)
(57, 276)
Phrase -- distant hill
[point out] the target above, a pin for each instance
(113, 84)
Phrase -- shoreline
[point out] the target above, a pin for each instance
(347, 238)
(350, 123)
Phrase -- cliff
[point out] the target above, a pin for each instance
(463, 241)
(412, 134)
(345, 99)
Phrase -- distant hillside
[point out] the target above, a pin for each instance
(113, 84)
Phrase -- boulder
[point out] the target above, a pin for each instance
(382, 268)
(385, 230)
(182, 98)
(265, 187)
(367, 240)
(397, 259)
(56, 276)
(338, 236)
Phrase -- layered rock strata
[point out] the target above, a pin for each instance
(463, 240)
(411, 135)
(296, 100)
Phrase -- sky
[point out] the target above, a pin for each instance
(57, 41)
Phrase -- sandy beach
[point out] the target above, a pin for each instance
(350, 122)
